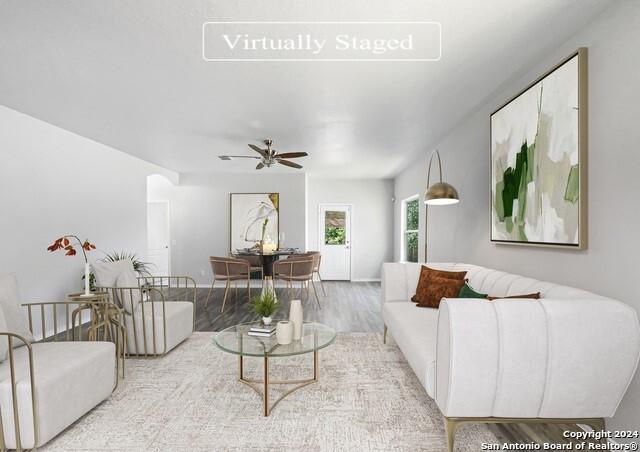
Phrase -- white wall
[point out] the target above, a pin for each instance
(610, 265)
(200, 214)
(372, 219)
(53, 182)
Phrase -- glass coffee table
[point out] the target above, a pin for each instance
(235, 339)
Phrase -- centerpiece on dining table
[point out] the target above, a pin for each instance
(267, 244)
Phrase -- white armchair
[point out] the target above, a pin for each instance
(159, 311)
(46, 386)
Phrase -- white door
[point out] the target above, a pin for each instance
(335, 241)
(158, 238)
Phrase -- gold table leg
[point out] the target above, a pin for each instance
(263, 392)
(265, 396)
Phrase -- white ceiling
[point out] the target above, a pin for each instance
(130, 74)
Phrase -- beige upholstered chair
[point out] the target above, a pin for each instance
(229, 269)
(159, 310)
(296, 269)
(47, 382)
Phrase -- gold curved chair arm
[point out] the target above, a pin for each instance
(14, 396)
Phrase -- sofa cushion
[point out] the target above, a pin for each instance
(425, 290)
(533, 296)
(107, 273)
(440, 288)
(468, 292)
(4, 340)
(13, 312)
(128, 297)
(414, 331)
(179, 321)
(70, 379)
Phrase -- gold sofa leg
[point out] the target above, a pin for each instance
(451, 424)
(450, 427)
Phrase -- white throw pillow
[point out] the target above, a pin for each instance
(4, 340)
(129, 299)
(107, 273)
(15, 319)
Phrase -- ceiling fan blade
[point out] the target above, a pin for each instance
(291, 155)
(229, 157)
(260, 165)
(288, 163)
(262, 152)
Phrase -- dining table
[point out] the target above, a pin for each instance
(267, 259)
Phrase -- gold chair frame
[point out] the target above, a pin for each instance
(162, 286)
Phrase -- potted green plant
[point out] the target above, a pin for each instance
(265, 305)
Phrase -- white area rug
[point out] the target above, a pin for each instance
(367, 399)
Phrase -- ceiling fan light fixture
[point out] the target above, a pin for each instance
(269, 157)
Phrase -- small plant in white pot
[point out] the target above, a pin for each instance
(265, 305)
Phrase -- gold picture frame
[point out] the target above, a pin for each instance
(555, 214)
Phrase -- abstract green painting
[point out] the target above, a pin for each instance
(536, 158)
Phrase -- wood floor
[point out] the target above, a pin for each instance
(347, 307)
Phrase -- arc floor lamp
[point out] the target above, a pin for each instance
(438, 194)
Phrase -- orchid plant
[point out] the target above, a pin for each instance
(65, 243)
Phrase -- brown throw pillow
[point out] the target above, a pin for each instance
(426, 274)
(535, 296)
(440, 288)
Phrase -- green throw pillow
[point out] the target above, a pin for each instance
(467, 292)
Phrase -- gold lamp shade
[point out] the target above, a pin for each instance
(441, 194)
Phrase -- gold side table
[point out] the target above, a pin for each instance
(104, 315)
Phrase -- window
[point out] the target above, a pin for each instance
(334, 227)
(410, 221)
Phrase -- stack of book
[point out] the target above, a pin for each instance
(262, 330)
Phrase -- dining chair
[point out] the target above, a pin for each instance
(255, 265)
(296, 269)
(229, 269)
(317, 258)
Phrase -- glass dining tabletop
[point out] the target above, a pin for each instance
(236, 340)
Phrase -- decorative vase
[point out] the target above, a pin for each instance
(266, 320)
(87, 280)
(284, 332)
(295, 316)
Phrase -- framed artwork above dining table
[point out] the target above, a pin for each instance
(253, 217)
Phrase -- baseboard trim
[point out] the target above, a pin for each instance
(255, 284)
(366, 280)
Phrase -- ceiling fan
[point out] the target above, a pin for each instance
(269, 156)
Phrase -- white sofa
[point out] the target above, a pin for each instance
(568, 357)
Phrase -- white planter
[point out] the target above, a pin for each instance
(284, 332)
(295, 316)
(266, 320)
